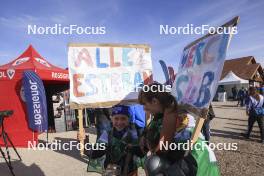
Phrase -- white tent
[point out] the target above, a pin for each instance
(232, 78)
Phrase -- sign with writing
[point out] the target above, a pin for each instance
(104, 75)
(2, 74)
(10, 73)
(57, 75)
(20, 61)
(200, 70)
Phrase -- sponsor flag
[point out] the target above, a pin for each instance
(36, 101)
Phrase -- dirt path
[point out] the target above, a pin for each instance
(227, 127)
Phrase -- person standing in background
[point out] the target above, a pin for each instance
(206, 125)
(256, 101)
(234, 93)
(241, 97)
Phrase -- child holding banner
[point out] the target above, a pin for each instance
(169, 125)
(122, 153)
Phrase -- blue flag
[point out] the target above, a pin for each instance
(36, 101)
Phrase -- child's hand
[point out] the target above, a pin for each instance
(204, 112)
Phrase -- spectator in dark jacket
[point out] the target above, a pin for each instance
(256, 101)
(234, 92)
(206, 125)
(241, 97)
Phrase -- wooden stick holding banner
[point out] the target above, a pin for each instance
(198, 126)
(200, 113)
(81, 130)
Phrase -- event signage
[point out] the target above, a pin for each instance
(20, 61)
(2, 74)
(10, 73)
(36, 101)
(42, 61)
(200, 70)
(57, 75)
(105, 74)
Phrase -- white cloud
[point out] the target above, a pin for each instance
(22, 21)
(3, 54)
(18, 21)
(59, 19)
(247, 50)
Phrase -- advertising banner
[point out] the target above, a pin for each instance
(36, 101)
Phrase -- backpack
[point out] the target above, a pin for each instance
(257, 111)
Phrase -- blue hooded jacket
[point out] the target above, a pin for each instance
(138, 115)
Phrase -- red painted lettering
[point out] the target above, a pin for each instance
(76, 84)
(84, 55)
(112, 61)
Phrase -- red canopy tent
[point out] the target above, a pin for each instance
(55, 79)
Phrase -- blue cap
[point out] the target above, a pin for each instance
(121, 109)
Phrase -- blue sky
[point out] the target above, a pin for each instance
(128, 21)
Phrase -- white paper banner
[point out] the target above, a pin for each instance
(200, 70)
(102, 74)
